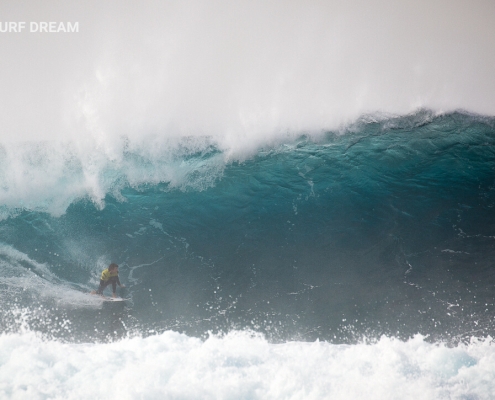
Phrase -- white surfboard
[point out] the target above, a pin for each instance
(105, 298)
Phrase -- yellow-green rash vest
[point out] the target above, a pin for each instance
(106, 274)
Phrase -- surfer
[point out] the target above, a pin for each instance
(109, 276)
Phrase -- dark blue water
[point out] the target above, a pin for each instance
(386, 228)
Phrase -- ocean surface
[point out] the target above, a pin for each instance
(346, 264)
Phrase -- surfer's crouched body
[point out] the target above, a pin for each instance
(109, 276)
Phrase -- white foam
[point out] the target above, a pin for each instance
(20, 273)
(241, 365)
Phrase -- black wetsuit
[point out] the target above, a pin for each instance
(112, 280)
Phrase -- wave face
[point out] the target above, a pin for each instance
(385, 229)
(351, 264)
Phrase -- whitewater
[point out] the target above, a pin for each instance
(300, 197)
(240, 365)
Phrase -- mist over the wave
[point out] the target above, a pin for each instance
(242, 72)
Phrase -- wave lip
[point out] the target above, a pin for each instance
(49, 176)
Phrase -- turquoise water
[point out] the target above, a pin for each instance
(384, 229)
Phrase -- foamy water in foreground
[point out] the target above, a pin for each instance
(243, 366)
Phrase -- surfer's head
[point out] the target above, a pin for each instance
(113, 266)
